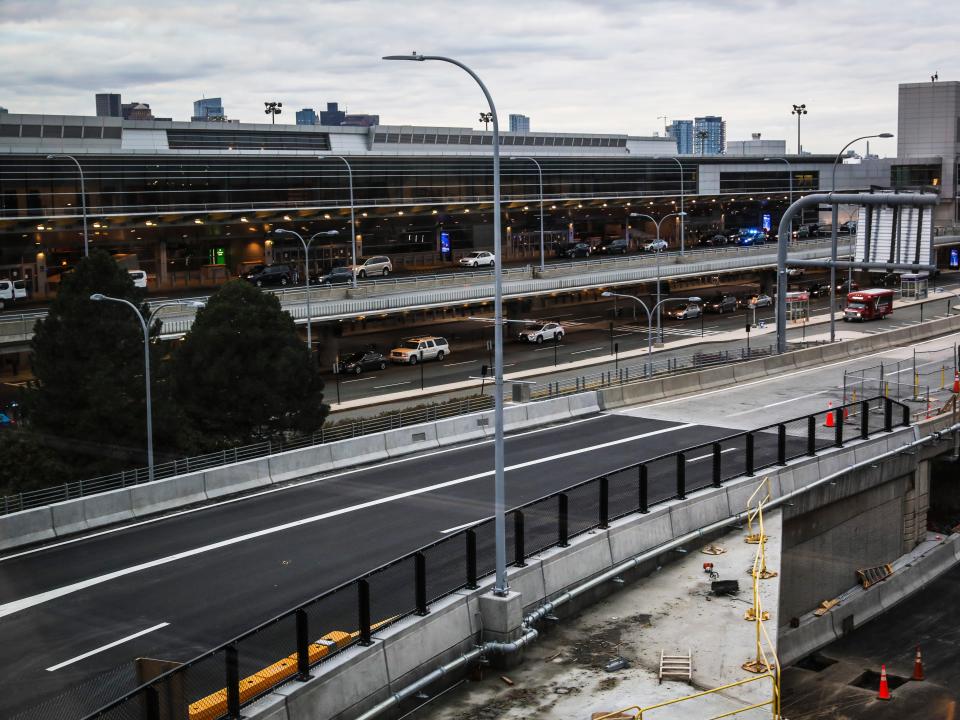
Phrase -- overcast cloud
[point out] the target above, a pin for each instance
(600, 66)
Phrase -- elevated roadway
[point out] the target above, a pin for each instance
(176, 585)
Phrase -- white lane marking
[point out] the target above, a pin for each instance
(782, 402)
(740, 386)
(509, 365)
(465, 362)
(461, 527)
(78, 658)
(624, 334)
(381, 387)
(23, 603)
(546, 348)
(372, 377)
(301, 483)
(706, 457)
(592, 317)
(580, 352)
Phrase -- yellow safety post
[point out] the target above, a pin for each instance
(943, 377)
(886, 389)
(854, 398)
(759, 537)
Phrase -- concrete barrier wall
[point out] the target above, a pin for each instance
(26, 527)
(358, 678)
(234, 478)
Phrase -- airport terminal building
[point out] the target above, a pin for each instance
(194, 203)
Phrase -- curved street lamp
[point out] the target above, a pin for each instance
(540, 178)
(650, 311)
(306, 268)
(353, 226)
(500, 584)
(83, 199)
(657, 223)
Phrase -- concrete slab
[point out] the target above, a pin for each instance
(237, 477)
(462, 429)
(27, 526)
(300, 463)
(68, 517)
(163, 495)
(107, 508)
(411, 439)
(358, 451)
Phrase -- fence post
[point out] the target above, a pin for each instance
(864, 419)
(811, 435)
(519, 552)
(717, 465)
(781, 444)
(232, 662)
(906, 416)
(420, 578)
(604, 503)
(471, 559)
(838, 434)
(303, 646)
(363, 611)
(888, 415)
(152, 702)
(681, 476)
(562, 532)
(749, 460)
(644, 507)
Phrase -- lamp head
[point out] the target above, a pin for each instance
(280, 231)
(97, 297)
(412, 56)
(606, 293)
(694, 299)
(49, 157)
(885, 135)
(194, 304)
(681, 214)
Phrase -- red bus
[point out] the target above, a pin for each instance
(868, 305)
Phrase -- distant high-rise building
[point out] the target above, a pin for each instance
(709, 135)
(307, 117)
(682, 132)
(208, 109)
(108, 105)
(3, 110)
(519, 123)
(136, 111)
(361, 120)
(333, 115)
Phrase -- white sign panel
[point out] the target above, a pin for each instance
(900, 235)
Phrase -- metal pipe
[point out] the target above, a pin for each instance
(783, 237)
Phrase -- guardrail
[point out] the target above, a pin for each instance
(219, 682)
(339, 431)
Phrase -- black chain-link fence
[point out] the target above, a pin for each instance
(218, 683)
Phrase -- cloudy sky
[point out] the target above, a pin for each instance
(597, 66)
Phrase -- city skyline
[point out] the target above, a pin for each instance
(566, 69)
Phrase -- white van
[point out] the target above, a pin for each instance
(13, 290)
(139, 278)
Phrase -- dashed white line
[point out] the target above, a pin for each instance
(381, 387)
(580, 352)
(128, 638)
(465, 362)
(372, 377)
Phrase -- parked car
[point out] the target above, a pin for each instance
(419, 349)
(357, 362)
(727, 303)
(685, 312)
(580, 249)
(261, 275)
(6, 421)
(746, 238)
(847, 228)
(846, 287)
(13, 290)
(808, 230)
(620, 246)
(761, 300)
(377, 265)
(479, 258)
(716, 240)
(547, 331)
(336, 276)
(655, 245)
(818, 289)
(139, 278)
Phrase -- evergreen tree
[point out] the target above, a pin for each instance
(243, 375)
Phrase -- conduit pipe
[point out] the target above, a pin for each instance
(530, 634)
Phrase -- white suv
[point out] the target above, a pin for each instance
(378, 265)
(13, 289)
(547, 331)
(417, 350)
(478, 258)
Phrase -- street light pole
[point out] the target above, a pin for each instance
(540, 178)
(500, 585)
(657, 225)
(683, 215)
(145, 325)
(650, 311)
(83, 199)
(834, 219)
(799, 110)
(353, 227)
(306, 270)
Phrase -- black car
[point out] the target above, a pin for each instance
(818, 289)
(261, 275)
(727, 303)
(716, 240)
(336, 276)
(357, 362)
(575, 250)
(619, 246)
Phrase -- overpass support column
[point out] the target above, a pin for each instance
(916, 502)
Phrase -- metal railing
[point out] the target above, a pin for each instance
(339, 431)
(217, 683)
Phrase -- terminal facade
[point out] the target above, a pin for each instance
(196, 203)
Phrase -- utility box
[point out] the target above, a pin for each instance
(521, 392)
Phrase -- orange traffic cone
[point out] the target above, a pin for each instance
(928, 410)
(956, 381)
(846, 412)
(918, 666)
(829, 420)
(884, 693)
